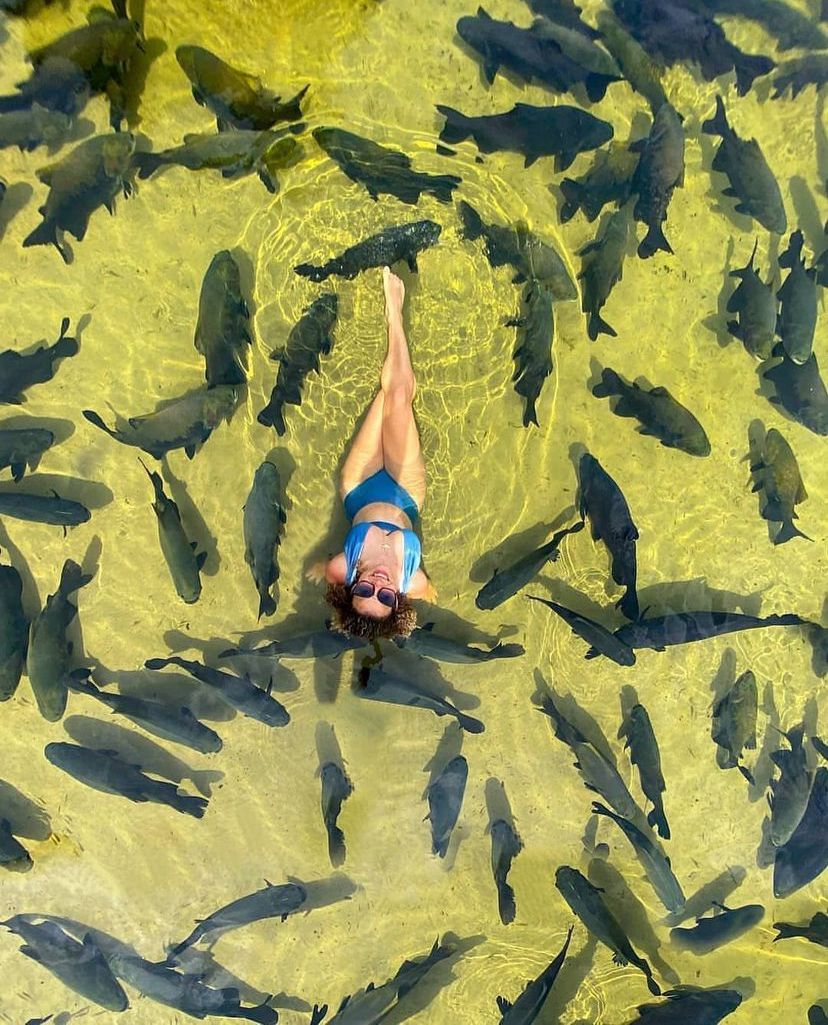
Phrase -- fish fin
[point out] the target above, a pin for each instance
(18, 470)
(411, 260)
(31, 952)
(619, 959)
(596, 325)
(318, 1014)
(730, 192)
(734, 329)
(747, 774)
(717, 125)
(190, 451)
(200, 559)
(788, 531)
(503, 1005)
(490, 69)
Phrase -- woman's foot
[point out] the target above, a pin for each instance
(394, 295)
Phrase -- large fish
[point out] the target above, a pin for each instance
(381, 170)
(309, 338)
(602, 263)
(644, 753)
(445, 799)
(222, 333)
(659, 414)
(799, 73)
(237, 100)
(336, 789)
(586, 902)
(89, 177)
(262, 524)
(185, 423)
(789, 794)
(56, 84)
(22, 448)
(561, 132)
(423, 641)
(586, 60)
(315, 644)
(387, 247)
(14, 631)
(180, 555)
(710, 933)
(377, 684)
(506, 583)
(18, 371)
(529, 1004)
(660, 169)
(804, 857)
(608, 180)
(791, 27)
(734, 723)
(816, 930)
(643, 73)
(533, 350)
(506, 845)
(756, 304)
(611, 521)
(798, 298)
(690, 1005)
(60, 512)
(777, 476)
(800, 390)
(752, 182)
(36, 126)
(597, 636)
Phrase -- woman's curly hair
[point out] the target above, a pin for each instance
(347, 620)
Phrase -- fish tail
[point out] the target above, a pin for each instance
(573, 194)
(457, 126)
(787, 931)
(273, 416)
(653, 241)
(506, 902)
(147, 163)
(787, 531)
(501, 650)
(267, 606)
(596, 325)
(318, 1014)
(657, 820)
(336, 845)
(629, 604)
(72, 578)
(440, 845)
(95, 419)
(747, 774)
(652, 985)
(749, 66)
(65, 345)
(263, 1013)
(309, 270)
(45, 234)
(530, 415)
(292, 111)
(718, 124)
(472, 222)
(442, 186)
(793, 254)
(187, 805)
(610, 384)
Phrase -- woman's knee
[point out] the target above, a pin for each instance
(399, 394)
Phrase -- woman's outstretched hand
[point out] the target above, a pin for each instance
(316, 572)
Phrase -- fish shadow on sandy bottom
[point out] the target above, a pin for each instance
(25, 816)
(174, 688)
(17, 196)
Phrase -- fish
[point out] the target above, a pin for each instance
(597, 636)
(423, 641)
(752, 182)
(798, 297)
(445, 799)
(805, 855)
(506, 583)
(790, 27)
(529, 1004)
(679, 30)
(22, 448)
(777, 476)
(564, 12)
(638, 68)
(602, 263)
(88, 177)
(690, 1005)
(336, 788)
(610, 521)
(14, 631)
(387, 247)
(52, 509)
(105, 771)
(263, 521)
(816, 930)
(798, 74)
(645, 755)
(50, 651)
(315, 644)
(506, 845)
(734, 723)
(237, 100)
(19, 371)
(800, 390)
(34, 126)
(381, 170)
(756, 305)
(533, 349)
(377, 684)
(222, 333)
(585, 901)
(176, 724)
(816, 1015)
(272, 901)
(57, 83)
(531, 257)
(659, 414)
(186, 422)
(656, 865)
(789, 794)
(659, 171)
(235, 152)
(238, 692)
(561, 132)
(608, 180)
(590, 62)
(80, 966)
(309, 338)
(182, 559)
(13, 855)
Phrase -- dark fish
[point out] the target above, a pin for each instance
(790, 27)
(34, 126)
(60, 512)
(104, 771)
(49, 653)
(506, 845)
(179, 552)
(237, 99)
(238, 692)
(507, 582)
(660, 169)
(13, 855)
(816, 930)
(176, 724)
(805, 855)
(608, 180)
(561, 132)
(263, 522)
(564, 12)
(21, 449)
(89, 177)
(597, 636)
(271, 901)
(586, 61)
(602, 262)
(381, 170)
(644, 753)
(638, 68)
(56, 84)
(309, 338)
(611, 522)
(80, 966)
(659, 414)
(816, 1015)
(222, 333)
(183, 423)
(423, 641)
(690, 1005)
(531, 258)
(399, 242)
(316, 644)
(19, 372)
(755, 303)
(800, 73)
(586, 902)
(734, 723)
(336, 788)
(789, 794)
(533, 350)
(778, 478)
(800, 390)
(798, 298)
(709, 934)
(377, 684)
(530, 1002)
(445, 799)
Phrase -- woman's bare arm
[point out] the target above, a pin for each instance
(332, 570)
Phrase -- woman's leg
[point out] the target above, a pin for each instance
(365, 454)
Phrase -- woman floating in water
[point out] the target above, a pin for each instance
(382, 487)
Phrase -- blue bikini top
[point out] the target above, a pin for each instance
(355, 539)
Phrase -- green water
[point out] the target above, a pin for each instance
(142, 872)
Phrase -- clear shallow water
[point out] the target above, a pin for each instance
(144, 873)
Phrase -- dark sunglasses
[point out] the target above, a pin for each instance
(365, 589)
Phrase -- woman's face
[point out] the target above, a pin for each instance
(379, 578)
